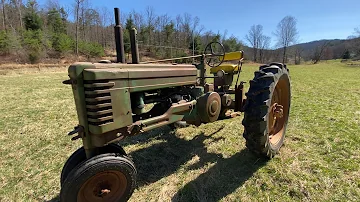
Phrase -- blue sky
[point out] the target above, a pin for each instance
(317, 19)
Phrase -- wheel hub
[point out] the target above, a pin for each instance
(213, 108)
(104, 192)
(209, 107)
(104, 186)
(278, 111)
(102, 189)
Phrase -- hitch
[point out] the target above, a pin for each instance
(77, 129)
(69, 82)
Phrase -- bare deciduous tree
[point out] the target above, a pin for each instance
(319, 50)
(150, 21)
(286, 34)
(18, 4)
(254, 37)
(264, 44)
(77, 11)
(4, 14)
(297, 53)
(357, 31)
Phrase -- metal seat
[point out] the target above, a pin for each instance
(229, 68)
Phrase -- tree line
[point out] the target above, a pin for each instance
(33, 33)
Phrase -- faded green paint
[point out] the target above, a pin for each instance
(139, 85)
(173, 114)
(192, 116)
(76, 76)
(103, 104)
(202, 71)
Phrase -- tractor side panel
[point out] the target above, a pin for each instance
(144, 79)
(146, 84)
(107, 90)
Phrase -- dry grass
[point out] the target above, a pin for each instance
(320, 159)
(15, 69)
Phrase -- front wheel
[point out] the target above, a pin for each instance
(106, 177)
(266, 110)
(79, 156)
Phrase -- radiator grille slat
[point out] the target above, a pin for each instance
(99, 85)
(99, 113)
(98, 102)
(95, 92)
(97, 99)
(98, 106)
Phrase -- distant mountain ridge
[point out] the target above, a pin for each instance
(329, 48)
(333, 48)
(313, 44)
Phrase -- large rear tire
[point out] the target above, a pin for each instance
(266, 110)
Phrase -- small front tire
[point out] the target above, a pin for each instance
(106, 177)
(79, 156)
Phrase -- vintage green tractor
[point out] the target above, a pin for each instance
(110, 100)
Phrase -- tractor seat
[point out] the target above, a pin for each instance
(227, 68)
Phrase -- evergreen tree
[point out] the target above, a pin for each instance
(55, 22)
(346, 55)
(128, 26)
(33, 36)
(57, 28)
(197, 45)
(31, 19)
(231, 44)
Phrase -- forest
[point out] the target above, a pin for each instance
(50, 33)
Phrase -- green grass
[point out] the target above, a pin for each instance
(319, 161)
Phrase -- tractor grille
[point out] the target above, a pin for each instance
(98, 102)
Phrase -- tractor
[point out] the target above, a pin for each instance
(110, 99)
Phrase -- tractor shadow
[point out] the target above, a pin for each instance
(222, 179)
(55, 199)
(166, 157)
(172, 153)
(167, 153)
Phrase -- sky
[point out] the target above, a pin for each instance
(316, 19)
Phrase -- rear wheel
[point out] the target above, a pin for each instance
(266, 110)
(106, 177)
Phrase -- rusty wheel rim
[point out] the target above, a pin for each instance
(213, 108)
(279, 111)
(104, 186)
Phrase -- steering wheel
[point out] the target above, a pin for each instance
(214, 54)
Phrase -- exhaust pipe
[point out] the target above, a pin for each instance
(119, 38)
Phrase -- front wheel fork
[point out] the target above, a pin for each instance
(79, 130)
(239, 97)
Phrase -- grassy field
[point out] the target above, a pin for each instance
(319, 161)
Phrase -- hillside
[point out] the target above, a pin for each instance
(326, 49)
(333, 49)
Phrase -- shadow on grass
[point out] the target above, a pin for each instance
(165, 158)
(169, 153)
(55, 199)
(222, 179)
